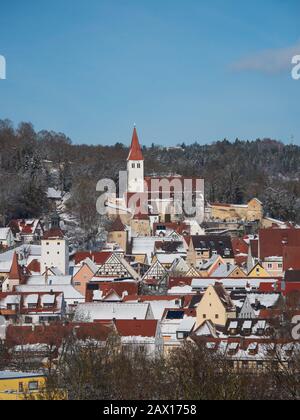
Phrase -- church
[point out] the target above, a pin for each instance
(158, 198)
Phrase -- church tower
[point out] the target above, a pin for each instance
(135, 166)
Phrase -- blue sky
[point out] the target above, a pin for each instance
(182, 70)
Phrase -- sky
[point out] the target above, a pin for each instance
(181, 70)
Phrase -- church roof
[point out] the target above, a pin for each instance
(135, 152)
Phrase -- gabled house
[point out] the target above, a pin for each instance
(208, 267)
(113, 291)
(247, 312)
(6, 238)
(84, 275)
(272, 243)
(16, 277)
(117, 267)
(202, 248)
(155, 275)
(27, 231)
(140, 336)
(258, 271)
(215, 306)
(192, 273)
(32, 308)
(118, 234)
(229, 271)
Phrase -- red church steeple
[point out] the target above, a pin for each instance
(135, 152)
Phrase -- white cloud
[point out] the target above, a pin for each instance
(268, 61)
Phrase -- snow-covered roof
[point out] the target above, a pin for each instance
(167, 258)
(143, 246)
(110, 311)
(247, 325)
(187, 324)
(159, 306)
(54, 194)
(180, 290)
(31, 299)
(5, 266)
(6, 374)
(4, 232)
(12, 300)
(23, 251)
(71, 295)
(224, 270)
(51, 281)
(48, 299)
(228, 283)
(92, 266)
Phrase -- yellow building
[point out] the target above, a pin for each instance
(215, 306)
(19, 385)
(118, 234)
(258, 271)
(248, 212)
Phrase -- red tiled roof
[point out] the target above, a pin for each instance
(140, 216)
(53, 234)
(291, 258)
(277, 287)
(55, 333)
(239, 246)
(118, 287)
(136, 328)
(273, 241)
(254, 248)
(240, 260)
(16, 271)
(34, 266)
(27, 229)
(180, 281)
(99, 258)
(135, 152)
(179, 228)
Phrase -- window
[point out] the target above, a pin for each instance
(21, 387)
(139, 166)
(133, 166)
(28, 320)
(270, 265)
(216, 316)
(204, 316)
(33, 386)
